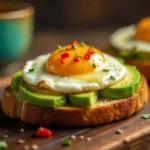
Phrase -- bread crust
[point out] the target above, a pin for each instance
(70, 116)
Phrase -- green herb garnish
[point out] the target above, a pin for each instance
(82, 44)
(5, 136)
(3, 145)
(67, 142)
(94, 65)
(62, 76)
(146, 116)
(62, 50)
(119, 131)
(76, 55)
(106, 70)
(31, 70)
(112, 78)
(59, 46)
(74, 46)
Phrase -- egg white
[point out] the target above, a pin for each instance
(98, 79)
(122, 39)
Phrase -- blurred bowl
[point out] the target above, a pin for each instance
(16, 29)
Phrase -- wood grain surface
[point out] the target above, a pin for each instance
(136, 133)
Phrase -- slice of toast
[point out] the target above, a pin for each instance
(104, 111)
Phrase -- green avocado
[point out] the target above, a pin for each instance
(16, 78)
(83, 99)
(125, 88)
(40, 99)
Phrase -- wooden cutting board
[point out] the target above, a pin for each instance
(136, 133)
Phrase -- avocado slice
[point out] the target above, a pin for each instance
(83, 99)
(125, 88)
(16, 78)
(41, 99)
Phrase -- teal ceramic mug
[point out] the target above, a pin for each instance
(16, 28)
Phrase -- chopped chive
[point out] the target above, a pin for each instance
(92, 46)
(74, 46)
(67, 142)
(3, 145)
(119, 131)
(106, 70)
(31, 70)
(5, 136)
(82, 44)
(146, 116)
(62, 76)
(62, 50)
(94, 65)
(112, 78)
(59, 46)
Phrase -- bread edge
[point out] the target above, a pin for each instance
(76, 116)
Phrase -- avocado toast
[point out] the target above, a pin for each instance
(106, 90)
(133, 44)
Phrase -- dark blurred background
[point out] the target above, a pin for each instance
(88, 13)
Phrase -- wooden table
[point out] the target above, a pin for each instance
(136, 131)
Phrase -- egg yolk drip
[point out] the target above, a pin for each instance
(143, 29)
(74, 59)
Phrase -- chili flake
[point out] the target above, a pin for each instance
(91, 51)
(67, 48)
(64, 55)
(87, 56)
(73, 42)
(62, 61)
(43, 132)
(76, 59)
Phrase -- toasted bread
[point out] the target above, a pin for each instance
(104, 111)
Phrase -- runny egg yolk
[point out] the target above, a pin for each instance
(143, 29)
(74, 60)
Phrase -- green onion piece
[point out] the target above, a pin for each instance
(67, 142)
(62, 50)
(94, 65)
(119, 131)
(74, 46)
(59, 46)
(31, 70)
(5, 136)
(3, 145)
(112, 78)
(146, 116)
(106, 70)
(82, 44)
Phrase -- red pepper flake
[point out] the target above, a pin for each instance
(73, 42)
(87, 56)
(64, 55)
(76, 59)
(62, 61)
(67, 48)
(91, 51)
(43, 132)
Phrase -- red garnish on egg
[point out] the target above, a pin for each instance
(87, 56)
(73, 42)
(76, 59)
(64, 55)
(91, 51)
(62, 61)
(43, 132)
(67, 48)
